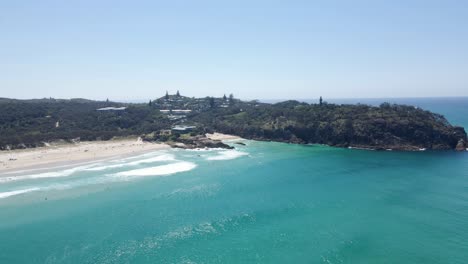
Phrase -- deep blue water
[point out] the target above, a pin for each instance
(261, 203)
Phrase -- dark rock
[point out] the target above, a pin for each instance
(198, 142)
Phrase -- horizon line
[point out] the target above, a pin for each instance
(249, 99)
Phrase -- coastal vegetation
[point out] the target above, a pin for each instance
(389, 126)
(32, 123)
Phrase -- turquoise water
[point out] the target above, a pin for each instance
(261, 203)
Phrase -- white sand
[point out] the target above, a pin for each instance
(219, 136)
(70, 154)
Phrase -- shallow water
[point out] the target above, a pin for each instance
(261, 203)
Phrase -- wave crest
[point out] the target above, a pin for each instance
(228, 155)
(17, 192)
(165, 157)
(159, 170)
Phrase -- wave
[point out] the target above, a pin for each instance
(52, 174)
(56, 186)
(165, 157)
(171, 238)
(200, 149)
(228, 155)
(159, 170)
(17, 192)
(137, 157)
(204, 189)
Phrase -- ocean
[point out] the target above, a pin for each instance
(264, 202)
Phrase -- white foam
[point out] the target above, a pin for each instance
(52, 174)
(159, 170)
(165, 157)
(228, 155)
(17, 192)
(137, 157)
(100, 168)
(202, 149)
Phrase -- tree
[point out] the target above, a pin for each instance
(178, 94)
(167, 96)
(107, 100)
(150, 103)
(385, 105)
(231, 98)
(224, 97)
(321, 101)
(348, 130)
(211, 101)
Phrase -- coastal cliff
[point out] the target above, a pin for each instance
(33, 123)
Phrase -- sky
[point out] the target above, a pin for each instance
(131, 50)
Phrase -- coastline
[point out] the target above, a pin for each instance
(67, 155)
(72, 154)
(86, 152)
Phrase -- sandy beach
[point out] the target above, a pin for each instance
(219, 136)
(68, 154)
(17, 161)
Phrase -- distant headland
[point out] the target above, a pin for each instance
(183, 122)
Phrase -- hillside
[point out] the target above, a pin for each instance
(396, 127)
(31, 123)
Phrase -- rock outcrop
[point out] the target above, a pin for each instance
(198, 142)
(461, 145)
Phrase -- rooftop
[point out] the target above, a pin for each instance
(112, 109)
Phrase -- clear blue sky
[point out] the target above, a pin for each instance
(254, 49)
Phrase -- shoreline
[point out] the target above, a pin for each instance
(401, 148)
(73, 154)
(67, 155)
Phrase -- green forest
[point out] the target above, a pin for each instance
(31, 123)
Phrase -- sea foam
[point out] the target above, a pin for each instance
(165, 157)
(52, 174)
(228, 155)
(159, 170)
(17, 192)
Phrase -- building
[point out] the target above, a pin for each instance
(112, 109)
(179, 128)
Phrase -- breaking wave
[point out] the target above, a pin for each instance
(17, 192)
(52, 174)
(165, 157)
(228, 155)
(90, 167)
(159, 170)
